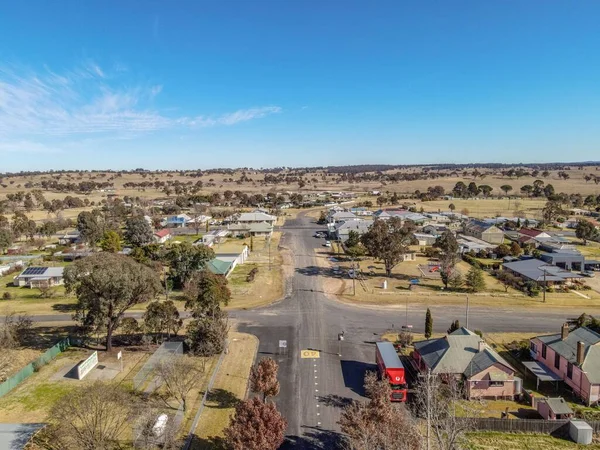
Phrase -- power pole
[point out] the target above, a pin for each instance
(467, 324)
(269, 253)
(428, 409)
(353, 278)
(544, 269)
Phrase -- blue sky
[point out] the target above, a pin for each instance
(200, 84)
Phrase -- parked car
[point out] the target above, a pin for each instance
(327, 244)
(588, 273)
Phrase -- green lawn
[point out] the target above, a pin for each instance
(517, 441)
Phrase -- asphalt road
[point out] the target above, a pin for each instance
(313, 390)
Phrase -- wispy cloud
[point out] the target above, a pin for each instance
(89, 100)
(242, 115)
(22, 147)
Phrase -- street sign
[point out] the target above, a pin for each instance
(282, 344)
(309, 354)
(119, 355)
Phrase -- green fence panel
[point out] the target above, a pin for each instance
(30, 368)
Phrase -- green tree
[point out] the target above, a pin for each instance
(552, 211)
(19, 225)
(449, 248)
(388, 241)
(453, 327)
(107, 285)
(205, 293)
(486, 190)
(502, 250)
(353, 239)
(506, 188)
(586, 231)
(455, 281)
(90, 226)
(206, 335)
(184, 259)
(428, 324)
(162, 317)
(358, 251)
(6, 239)
(475, 280)
(138, 231)
(111, 242)
(451, 207)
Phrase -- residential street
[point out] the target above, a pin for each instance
(312, 390)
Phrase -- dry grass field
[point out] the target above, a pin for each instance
(317, 182)
(230, 386)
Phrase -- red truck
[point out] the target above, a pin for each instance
(390, 367)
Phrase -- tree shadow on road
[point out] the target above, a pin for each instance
(354, 375)
(64, 307)
(336, 401)
(210, 443)
(314, 438)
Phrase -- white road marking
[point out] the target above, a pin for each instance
(317, 407)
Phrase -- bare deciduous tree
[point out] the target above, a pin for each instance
(263, 378)
(179, 375)
(91, 417)
(439, 404)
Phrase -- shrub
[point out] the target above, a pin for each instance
(251, 275)
(6, 296)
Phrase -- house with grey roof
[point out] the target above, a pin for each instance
(465, 356)
(541, 272)
(35, 277)
(485, 231)
(341, 231)
(574, 356)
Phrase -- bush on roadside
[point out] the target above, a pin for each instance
(251, 275)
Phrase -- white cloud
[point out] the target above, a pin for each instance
(22, 147)
(90, 101)
(242, 115)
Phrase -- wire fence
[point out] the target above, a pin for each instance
(165, 351)
(13, 381)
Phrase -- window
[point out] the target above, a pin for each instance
(496, 383)
(570, 371)
(533, 347)
(557, 360)
(544, 351)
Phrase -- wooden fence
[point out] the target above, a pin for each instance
(553, 427)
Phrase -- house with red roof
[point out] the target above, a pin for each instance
(162, 236)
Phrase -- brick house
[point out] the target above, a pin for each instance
(575, 357)
(464, 355)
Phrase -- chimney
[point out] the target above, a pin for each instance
(580, 353)
(564, 331)
(481, 346)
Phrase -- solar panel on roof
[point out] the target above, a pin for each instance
(35, 270)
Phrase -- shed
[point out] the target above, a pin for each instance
(581, 432)
(554, 409)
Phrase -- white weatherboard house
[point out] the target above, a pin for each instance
(34, 277)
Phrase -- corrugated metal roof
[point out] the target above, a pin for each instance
(567, 348)
(558, 405)
(458, 353)
(389, 355)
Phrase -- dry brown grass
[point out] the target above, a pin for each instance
(230, 386)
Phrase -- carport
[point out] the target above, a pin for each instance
(541, 372)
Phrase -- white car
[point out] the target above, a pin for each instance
(327, 244)
(160, 425)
